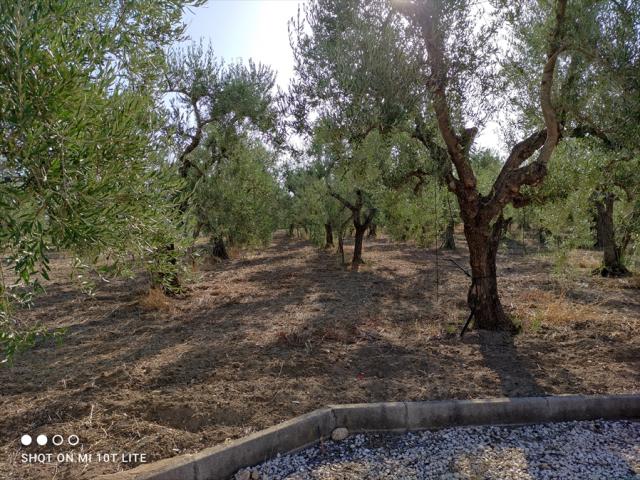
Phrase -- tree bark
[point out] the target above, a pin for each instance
(483, 298)
(599, 225)
(612, 258)
(341, 247)
(356, 261)
(448, 240)
(218, 249)
(360, 225)
(328, 230)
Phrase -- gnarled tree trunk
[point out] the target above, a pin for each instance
(360, 225)
(483, 298)
(482, 215)
(218, 248)
(356, 261)
(448, 240)
(599, 226)
(612, 264)
(328, 237)
(341, 248)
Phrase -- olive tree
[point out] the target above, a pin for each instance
(81, 160)
(599, 106)
(455, 53)
(345, 92)
(214, 106)
(236, 200)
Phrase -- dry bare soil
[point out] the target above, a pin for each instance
(279, 332)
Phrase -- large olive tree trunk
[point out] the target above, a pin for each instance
(612, 259)
(599, 226)
(357, 246)
(328, 235)
(483, 297)
(341, 248)
(482, 215)
(219, 249)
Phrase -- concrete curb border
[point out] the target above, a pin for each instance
(221, 462)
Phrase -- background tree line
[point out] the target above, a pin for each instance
(123, 146)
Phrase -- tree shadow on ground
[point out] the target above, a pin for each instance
(512, 367)
(264, 338)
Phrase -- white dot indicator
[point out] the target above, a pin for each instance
(57, 440)
(26, 440)
(73, 440)
(42, 440)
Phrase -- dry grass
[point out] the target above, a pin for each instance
(155, 299)
(633, 282)
(234, 252)
(586, 259)
(537, 308)
(275, 333)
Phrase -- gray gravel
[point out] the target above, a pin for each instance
(573, 450)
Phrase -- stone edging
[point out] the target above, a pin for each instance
(222, 461)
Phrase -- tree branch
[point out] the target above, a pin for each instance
(196, 138)
(583, 129)
(438, 86)
(507, 179)
(343, 201)
(513, 176)
(441, 157)
(548, 112)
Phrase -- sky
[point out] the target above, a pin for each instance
(257, 29)
(243, 29)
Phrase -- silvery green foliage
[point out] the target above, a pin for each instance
(224, 122)
(202, 90)
(238, 198)
(580, 172)
(356, 94)
(80, 160)
(599, 100)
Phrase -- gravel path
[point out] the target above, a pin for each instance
(573, 450)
